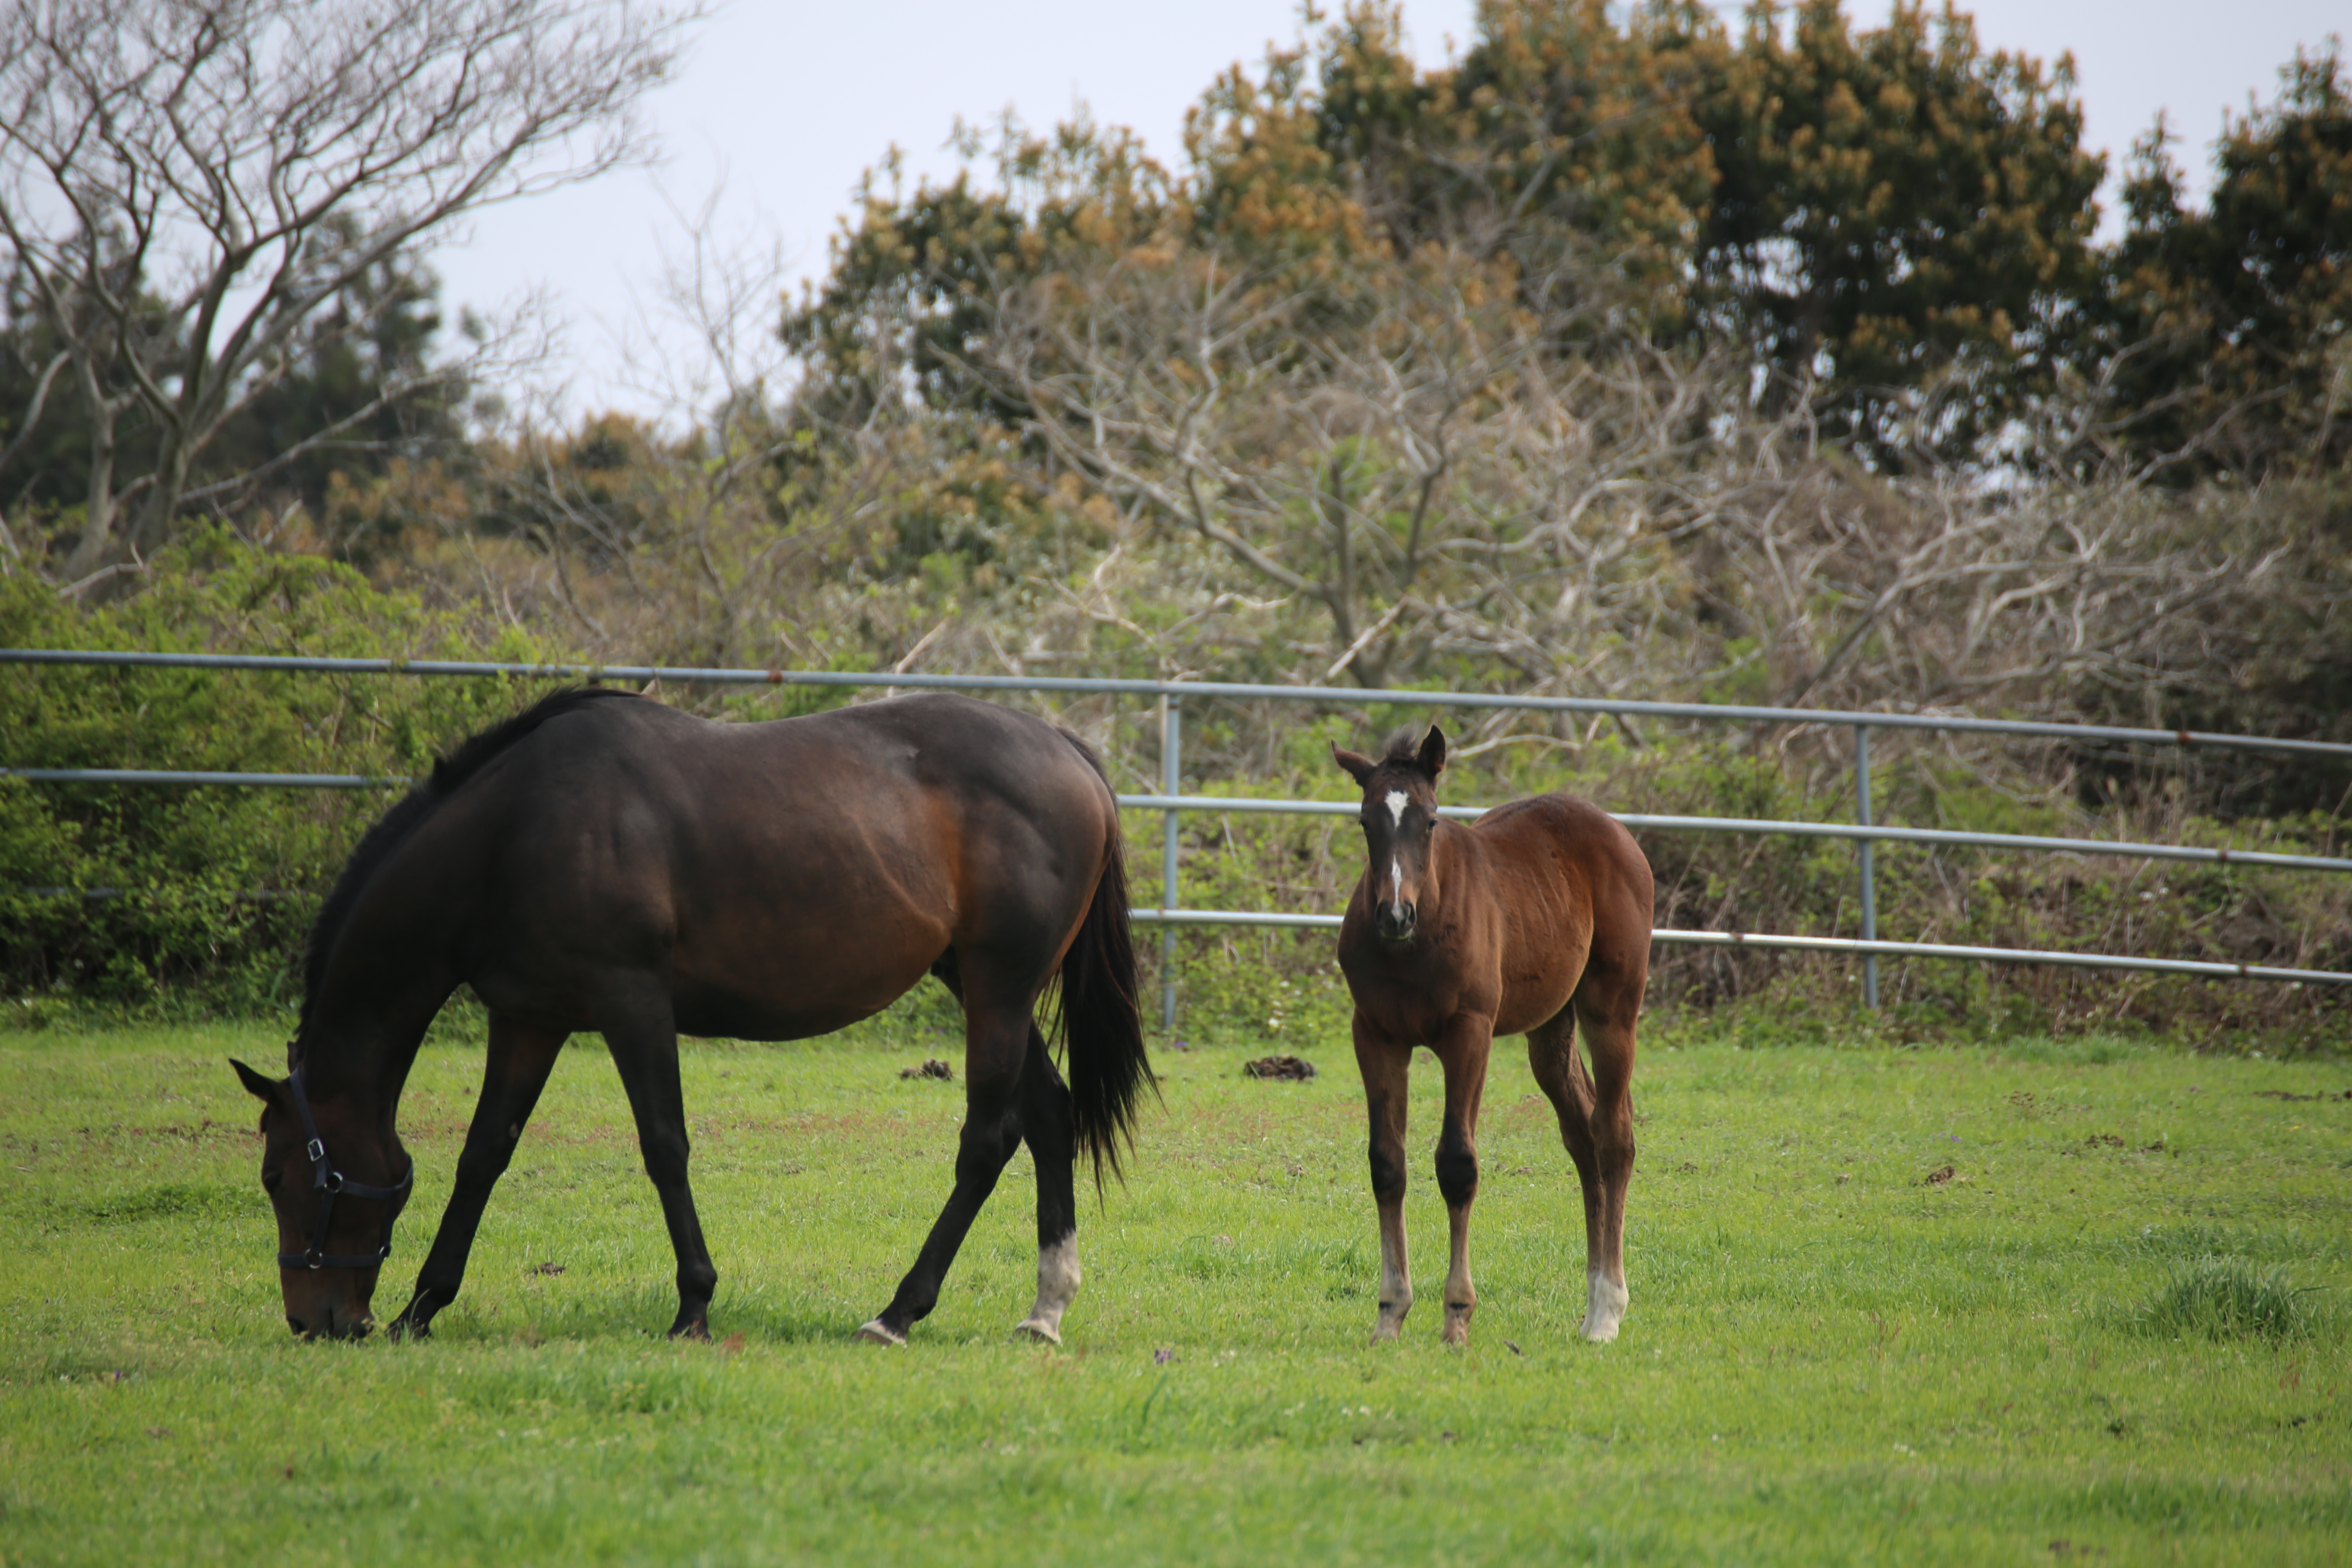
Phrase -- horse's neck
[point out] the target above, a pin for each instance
(383, 987)
(1445, 880)
(361, 1044)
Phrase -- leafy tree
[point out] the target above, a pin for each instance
(905, 303)
(1898, 214)
(2229, 330)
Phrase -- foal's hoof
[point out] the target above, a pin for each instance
(1456, 1331)
(1037, 1329)
(697, 1328)
(877, 1333)
(414, 1330)
(1605, 1303)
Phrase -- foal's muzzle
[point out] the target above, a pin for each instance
(1393, 922)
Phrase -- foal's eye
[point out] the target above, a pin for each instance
(272, 1180)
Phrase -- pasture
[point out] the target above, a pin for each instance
(1829, 1357)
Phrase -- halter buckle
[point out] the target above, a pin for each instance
(317, 1151)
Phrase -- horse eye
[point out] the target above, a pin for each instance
(272, 1180)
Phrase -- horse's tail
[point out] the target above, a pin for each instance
(1099, 1019)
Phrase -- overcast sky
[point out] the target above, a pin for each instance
(781, 105)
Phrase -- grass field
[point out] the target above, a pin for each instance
(1829, 1359)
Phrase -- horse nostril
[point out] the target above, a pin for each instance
(294, 1324)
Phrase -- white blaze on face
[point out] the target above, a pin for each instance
(1396, 807)
(1396, 880)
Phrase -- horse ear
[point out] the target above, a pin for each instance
(257, 1083)
(1359, 766)
(1433, 752)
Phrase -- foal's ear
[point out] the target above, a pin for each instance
(257, 1083)
(1359, 766)
(1431, 759)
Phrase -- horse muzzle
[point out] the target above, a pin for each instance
(1395, 923)
(343, 1321)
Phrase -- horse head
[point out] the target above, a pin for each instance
(1400, 822)
(334, 1229)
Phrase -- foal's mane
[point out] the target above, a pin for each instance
(391, 830)
(1403, 748)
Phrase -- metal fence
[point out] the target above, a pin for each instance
(1172, 803)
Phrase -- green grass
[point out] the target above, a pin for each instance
(2057, 1352)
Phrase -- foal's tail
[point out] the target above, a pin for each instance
(1100, 1022)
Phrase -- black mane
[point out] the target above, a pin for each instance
(392, 829)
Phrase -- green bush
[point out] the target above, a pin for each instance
(166, 899)
(177, 898)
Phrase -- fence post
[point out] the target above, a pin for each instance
(1869, 878)
(1171, 722)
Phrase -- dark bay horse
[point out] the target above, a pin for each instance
(603, 862)
(1527, 920)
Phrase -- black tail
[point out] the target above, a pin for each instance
(1101, 1023)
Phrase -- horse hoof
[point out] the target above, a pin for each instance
(1604, 1308)
(1037, 1329)
(697, 1331)
(404, 1329)
(1385, 1333)
(877, 1333)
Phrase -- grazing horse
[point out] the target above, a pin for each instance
(603, 862)
(1527, 920)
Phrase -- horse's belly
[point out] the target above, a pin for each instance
(703, 1010)
(778, 978)
(1530, 1005)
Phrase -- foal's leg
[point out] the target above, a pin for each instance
(1608, 1006)
(1462, 1052)
(1560, 1073)
(1385, 1063)
(641, 1035)
(1048, 1125)
(515, 1070)
(996, 1047)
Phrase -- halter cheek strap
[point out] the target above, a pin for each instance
(329, 1182)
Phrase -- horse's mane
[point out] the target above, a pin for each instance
(1403, 748)
(391, 830)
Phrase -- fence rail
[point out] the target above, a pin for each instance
(1172, 802)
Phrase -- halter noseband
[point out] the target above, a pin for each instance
(328, 1181)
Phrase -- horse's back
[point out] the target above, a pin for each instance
(1572, 895)
(786, 878)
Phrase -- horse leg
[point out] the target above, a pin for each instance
(1385, 1065)
(520, 1058)
(641, 1035)
(1047, 1125)
(1049, 1128)
(1462, 1052)
(996, 1047)
(1608, 1012)
(1560, 1073)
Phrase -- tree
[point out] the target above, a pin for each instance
(1896, 215)
(187, 186)
(2229, 330)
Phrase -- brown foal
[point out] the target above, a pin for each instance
(1525, 921)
